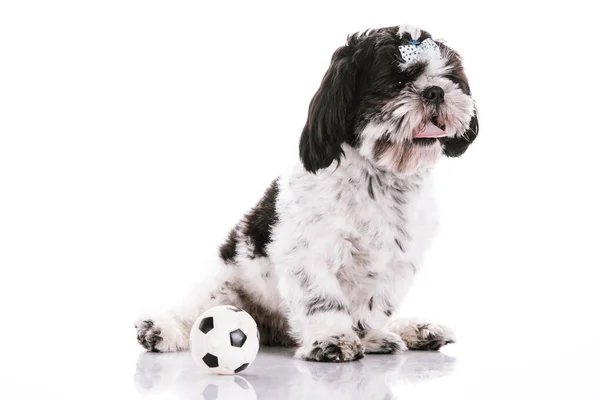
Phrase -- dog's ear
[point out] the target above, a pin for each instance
(330, 114)
(456, 146)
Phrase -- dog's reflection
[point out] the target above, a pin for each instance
(276, 375)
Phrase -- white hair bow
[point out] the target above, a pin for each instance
(415, 50)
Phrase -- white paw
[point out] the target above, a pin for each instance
(334, 348)
(162, 334)
(380, 342)
(422, 335)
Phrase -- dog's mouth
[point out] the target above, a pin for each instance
(432, 130)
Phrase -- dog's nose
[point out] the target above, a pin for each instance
(434, 94)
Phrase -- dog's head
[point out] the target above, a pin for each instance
(397, 96)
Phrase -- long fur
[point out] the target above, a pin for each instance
(327, 255)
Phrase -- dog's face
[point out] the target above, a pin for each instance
(397, 96)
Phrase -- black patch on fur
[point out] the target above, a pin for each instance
(399, 244)
(259, 222)
(324, 304)
(411, 73)
(228, 250)
(433, 345)
(361, 329)
(456, 146)
(303, 279)
(370, 188)
(425, 142)
(272, 325)
(388, 308)
(457, 73)
(378, 180)
(330, 121)
(460, 81)
(371, 304)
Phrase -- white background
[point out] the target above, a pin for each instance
(134, 134)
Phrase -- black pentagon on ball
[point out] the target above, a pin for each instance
(206, 324)
(241, 368)
(234, 308)
(211, 392)
(237, 338)
(210, 360)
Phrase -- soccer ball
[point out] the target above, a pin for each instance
(224, 340)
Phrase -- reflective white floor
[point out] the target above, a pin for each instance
(108, 364)
(276, 375)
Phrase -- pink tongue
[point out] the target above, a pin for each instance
(430, 131)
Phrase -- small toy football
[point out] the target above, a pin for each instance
(224, 340)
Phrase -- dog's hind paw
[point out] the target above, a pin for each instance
(162, 334)
(422, 335)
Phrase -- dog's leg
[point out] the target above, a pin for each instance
(169, 330)
(319, 316)
(163, 332)
(370, 319)
(420, 335)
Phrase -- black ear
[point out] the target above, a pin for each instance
(330, 114)
(455, 147)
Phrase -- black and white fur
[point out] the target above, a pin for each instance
(326, 257)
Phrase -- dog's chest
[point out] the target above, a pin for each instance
(353, 224)
(385, 233)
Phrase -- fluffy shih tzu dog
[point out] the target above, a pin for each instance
(327, 255)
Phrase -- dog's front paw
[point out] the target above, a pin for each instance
(378, 342)
(335, 348)
(423, 335)
(148, 335)
(161, 334)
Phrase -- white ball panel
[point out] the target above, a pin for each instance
(232, 358)
(251, 348)
(218, 339)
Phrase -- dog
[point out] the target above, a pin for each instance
(327, 255)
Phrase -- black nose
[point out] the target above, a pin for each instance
(434, 94)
